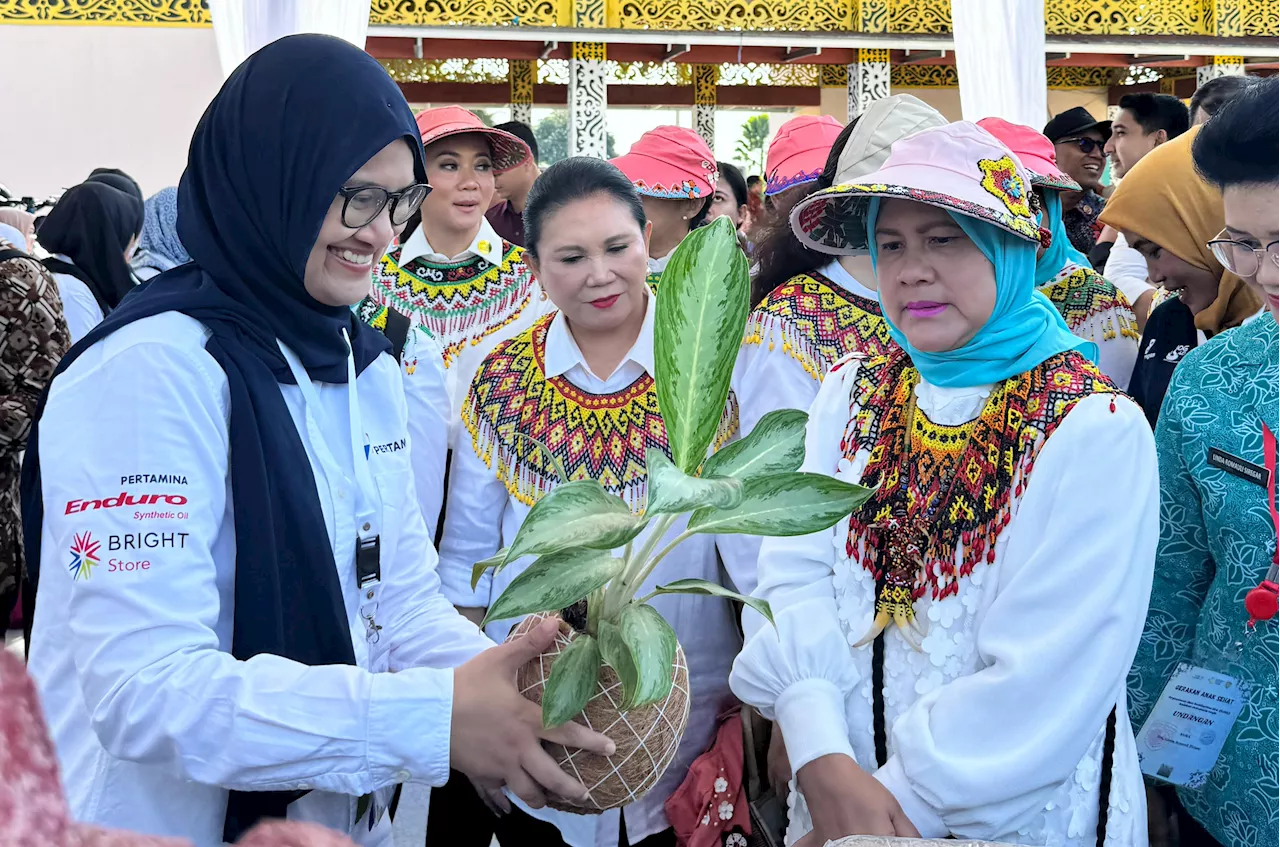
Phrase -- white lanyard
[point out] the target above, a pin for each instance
(368, 503)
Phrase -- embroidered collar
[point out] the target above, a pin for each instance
(487, 245)
(562, 352)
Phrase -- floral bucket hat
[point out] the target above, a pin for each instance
(508, 150)
(670, 162)
(959, 167)
(1034, 150)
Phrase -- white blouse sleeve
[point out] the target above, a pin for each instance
(78, 306)
(427, 394)
(798, 671)
(472, 526)
(982, 753)
(768, 378)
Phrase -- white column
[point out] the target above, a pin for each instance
(588, 86)
(242, 27)
(705, 80)
(1000, 60)
(1222, 66)
(868, 80)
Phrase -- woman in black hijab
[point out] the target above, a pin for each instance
(236, 586)
(91, 232)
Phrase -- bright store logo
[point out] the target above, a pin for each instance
(84, 556)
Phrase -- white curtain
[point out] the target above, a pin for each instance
(243, 26)
(1000, 59)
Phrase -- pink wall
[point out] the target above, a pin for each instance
(73, 98)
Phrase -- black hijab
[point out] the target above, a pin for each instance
(93, 224)
(116, 178)
(286, 131)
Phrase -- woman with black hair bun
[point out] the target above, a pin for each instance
(674, 171)
(580, 381)
(816, 292)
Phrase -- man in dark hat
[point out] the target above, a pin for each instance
(1079, 140)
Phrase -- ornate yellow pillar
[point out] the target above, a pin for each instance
(588, 85)
(705, 80)
(868, 80)
(522, 73)
(833, 94)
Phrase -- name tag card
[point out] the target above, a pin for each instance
(1183, 735)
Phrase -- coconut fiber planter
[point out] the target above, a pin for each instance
(647, 737)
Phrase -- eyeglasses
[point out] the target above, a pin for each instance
(362, 203)
(1086, 145)
(1242, 259)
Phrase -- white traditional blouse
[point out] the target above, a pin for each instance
(595, 423)
(993, 726)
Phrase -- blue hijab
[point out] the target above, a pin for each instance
(1024, 328)
(288, 129)
(1061, 252)
(159, 246)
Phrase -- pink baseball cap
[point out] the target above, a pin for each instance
(799, 151)
(959, 167)
(508, 150)
(1034, 150)
(670, 162)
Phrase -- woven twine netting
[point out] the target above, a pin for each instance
(647, 738)
(881, 841)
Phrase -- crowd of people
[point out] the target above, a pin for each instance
(259, 428)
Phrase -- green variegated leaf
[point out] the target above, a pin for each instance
(702, 310)
(672, 491)
(784, 504)
(572, 681)
(549, 458)
(555, 581)
(776, 445)
(652, 644)
(702, 586)
(617, 656)
(575, 514)
(497, 560)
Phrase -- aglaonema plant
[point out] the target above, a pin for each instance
(751, 486)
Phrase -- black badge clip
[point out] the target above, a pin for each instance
(368, 560)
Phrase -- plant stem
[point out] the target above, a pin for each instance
(649, 568)
(624, 587)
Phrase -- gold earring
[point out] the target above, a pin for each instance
(542, 293)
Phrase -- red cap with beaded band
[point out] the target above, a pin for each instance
(671, 163)
(508, 150)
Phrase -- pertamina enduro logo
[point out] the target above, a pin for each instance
(84, 555)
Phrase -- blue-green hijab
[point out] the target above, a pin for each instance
(1024, 328)
(1061, 251)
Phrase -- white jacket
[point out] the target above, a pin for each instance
(152, 718)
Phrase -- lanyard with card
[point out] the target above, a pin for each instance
(368, 539)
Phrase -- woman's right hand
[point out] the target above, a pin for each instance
(843, 799)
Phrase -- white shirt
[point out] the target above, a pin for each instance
(152, 718)
(995, 729)
(1127, 270)
(78, 304)
(488, 246)
(657, 266)
(426, 393)
(768, 377)
(483, 517)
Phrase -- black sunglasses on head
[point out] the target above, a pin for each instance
(1086, 145)
(362, 203)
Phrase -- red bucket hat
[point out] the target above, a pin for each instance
(508, 150)
(670, 162)
(1034, 150)
(799, 151)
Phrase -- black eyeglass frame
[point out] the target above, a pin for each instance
(392, 197)
(1082, 142)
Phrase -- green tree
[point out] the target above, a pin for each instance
(750, 149)
(552, 133)
(484, 115)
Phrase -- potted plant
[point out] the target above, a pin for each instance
(617, 666)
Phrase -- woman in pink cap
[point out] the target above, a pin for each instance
(453, 288)
(798, 154)
(1092, 307)
(674, 171)
(951, 660)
